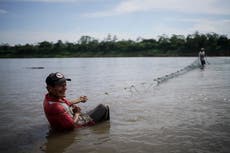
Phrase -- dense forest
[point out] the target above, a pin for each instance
(86, 46)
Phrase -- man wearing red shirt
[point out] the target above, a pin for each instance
(65, 115)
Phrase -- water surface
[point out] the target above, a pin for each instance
(188, 113)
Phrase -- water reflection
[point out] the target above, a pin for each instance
(58, 142)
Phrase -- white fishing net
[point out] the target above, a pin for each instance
(145, 87)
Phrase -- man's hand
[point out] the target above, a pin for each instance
(76, 109)
(83, 99)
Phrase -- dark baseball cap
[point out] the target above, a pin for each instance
(56, 78)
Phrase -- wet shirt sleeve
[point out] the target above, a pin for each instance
(63, 119)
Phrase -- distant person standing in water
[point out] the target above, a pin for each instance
(202, 57)
(63, 114)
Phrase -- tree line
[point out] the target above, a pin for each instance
(86, 46)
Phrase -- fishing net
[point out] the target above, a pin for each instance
(132, 89)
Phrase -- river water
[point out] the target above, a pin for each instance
(188, 113)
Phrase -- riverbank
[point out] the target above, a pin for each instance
(86, 46)
(110, 54)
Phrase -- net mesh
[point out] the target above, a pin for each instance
(159, 80)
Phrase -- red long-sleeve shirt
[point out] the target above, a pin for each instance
(58, 113)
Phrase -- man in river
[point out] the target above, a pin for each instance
(201, 57)
(64, 114)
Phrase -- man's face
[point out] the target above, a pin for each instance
(58, 90)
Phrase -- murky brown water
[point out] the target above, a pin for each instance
(188, 113)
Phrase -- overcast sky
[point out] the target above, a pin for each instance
(32, 21)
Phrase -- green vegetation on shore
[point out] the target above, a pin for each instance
(176, 45)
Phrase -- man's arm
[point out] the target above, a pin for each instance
(82, 99)
(62, 119)
(75, 118)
